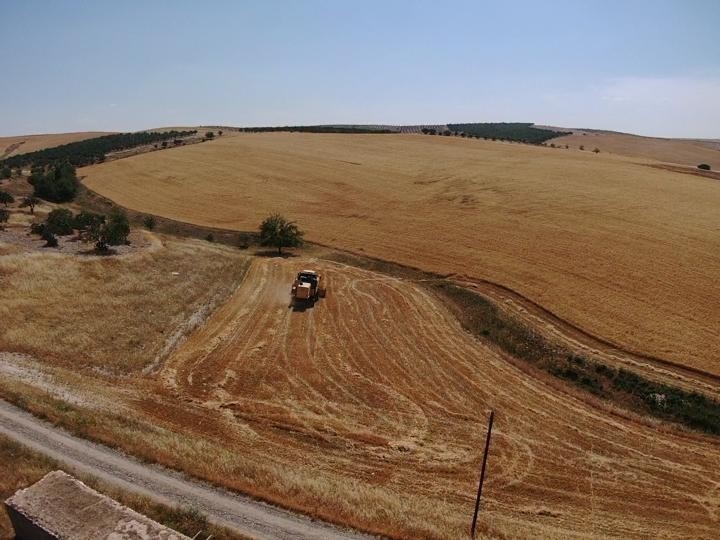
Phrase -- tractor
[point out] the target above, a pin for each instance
(307, 287)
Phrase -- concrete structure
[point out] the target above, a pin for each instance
(59, 506)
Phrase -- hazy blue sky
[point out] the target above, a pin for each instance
(650, 67)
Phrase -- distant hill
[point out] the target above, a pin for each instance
(689, 152)
(22, 144)
(686, 152)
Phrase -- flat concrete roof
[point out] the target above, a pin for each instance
(64, 507)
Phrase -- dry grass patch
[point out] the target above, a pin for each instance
(21, 467)
(624, 251)
(112, 313)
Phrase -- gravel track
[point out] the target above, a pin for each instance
(242, 514)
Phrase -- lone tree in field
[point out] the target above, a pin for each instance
(6, 198)
(4, 216)
(276, 231)
(30, 202)
(704, 167)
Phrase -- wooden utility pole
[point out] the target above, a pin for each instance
(482, 474)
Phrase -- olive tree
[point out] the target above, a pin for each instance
(278, 232)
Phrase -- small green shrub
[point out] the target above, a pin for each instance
(50, 239)
(60, 222)
(6, 198)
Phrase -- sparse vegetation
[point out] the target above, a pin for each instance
(704, 167)
(5, 173)
(103, 230)
(149, 222)
(30, 202)
(4, 216)
(278, 232)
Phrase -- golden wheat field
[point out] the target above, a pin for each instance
(22, 144)
(682, 151)
(625, 251)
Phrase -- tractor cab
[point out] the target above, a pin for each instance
(308, 276)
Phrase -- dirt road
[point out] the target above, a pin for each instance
(249, 517)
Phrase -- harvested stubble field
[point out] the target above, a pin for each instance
(627, 252)
(682, 151)
(369, 408)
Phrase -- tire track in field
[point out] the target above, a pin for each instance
(378, 387)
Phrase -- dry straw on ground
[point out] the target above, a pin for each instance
(115, 314)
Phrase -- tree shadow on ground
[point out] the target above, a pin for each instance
(273, 253)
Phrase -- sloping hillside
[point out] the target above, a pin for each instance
(681, 151)
(21, 144)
